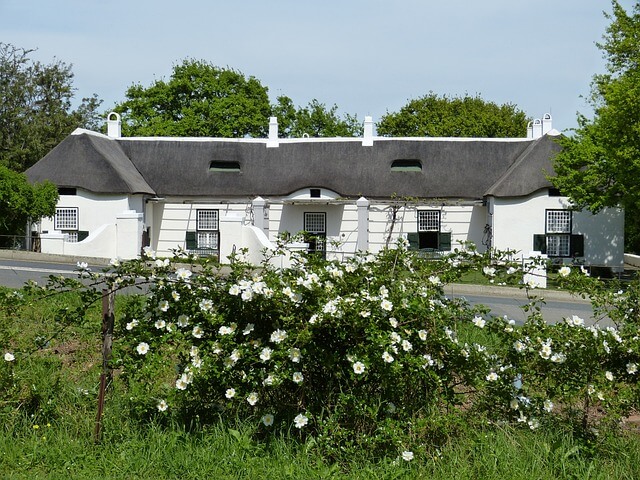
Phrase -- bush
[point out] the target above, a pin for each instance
(367, 355)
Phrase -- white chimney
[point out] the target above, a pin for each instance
(546, 123)
(538, 128)
(114, 126)
(273, 133)
(367, 140)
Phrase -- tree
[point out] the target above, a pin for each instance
(314, 120)
(35, 107)
(199, 100)
(599, 165)
(21, 202)
(434, 116)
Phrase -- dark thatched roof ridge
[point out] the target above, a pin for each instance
(523, 176)
(451, 168)
(92, 162)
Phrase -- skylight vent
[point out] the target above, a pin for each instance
(224, 166)
(406, 165)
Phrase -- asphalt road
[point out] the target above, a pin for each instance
(501, 300)
(15, 273)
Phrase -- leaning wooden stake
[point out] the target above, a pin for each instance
(108, 318)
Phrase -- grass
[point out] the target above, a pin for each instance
(48, 409)
(154, 452)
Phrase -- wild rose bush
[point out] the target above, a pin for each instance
(322, 347)
(368, 352)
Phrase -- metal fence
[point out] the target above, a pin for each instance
(20, 242)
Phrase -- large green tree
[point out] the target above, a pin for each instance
(21, 202)
(36, 107)
(599, 165)
(199, 100)
(441, 116)
(315, 120)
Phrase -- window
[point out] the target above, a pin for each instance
(558, 221)
(406, 166)
(429, 237)
(66, 219)
(206, 239)
(558, 241)
(315, 227)
(314, 193)
(428, 220)
(558, 230)
(224, 166)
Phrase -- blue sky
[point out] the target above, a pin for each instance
(366, 56)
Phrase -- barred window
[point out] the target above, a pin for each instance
(558, 245)
(208, 240)
(206, 220)
(315, 222)
(66, 219)
(428, 220)
(558, 221)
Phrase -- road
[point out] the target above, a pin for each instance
(15, 273)
(501, 300)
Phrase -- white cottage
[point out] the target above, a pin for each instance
(214, 195)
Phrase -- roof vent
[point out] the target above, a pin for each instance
(406, 165)
(224, 166)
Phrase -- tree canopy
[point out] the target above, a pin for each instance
(315, 120)
(599, 165)
(435, 116)
(198, 100)
(201, 99)
(35, 107)
(20, 202)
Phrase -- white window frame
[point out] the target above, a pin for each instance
(66, 219)
(558, 224)
(208, 229)
(558, 221)
(207, 220)
(428, 220)
(314, 220)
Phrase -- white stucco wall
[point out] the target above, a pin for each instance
(171, 218)
(95, 210)
(465, 222)
(516, 220)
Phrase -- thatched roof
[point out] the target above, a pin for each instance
(450, 167)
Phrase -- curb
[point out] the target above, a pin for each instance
(21, 255)
(461, 289)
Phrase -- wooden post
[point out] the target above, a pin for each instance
(108, 318)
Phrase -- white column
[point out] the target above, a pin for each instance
(261, 215)
(230, 236)
(363, 224)
(129, 234)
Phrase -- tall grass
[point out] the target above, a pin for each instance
(47, 420)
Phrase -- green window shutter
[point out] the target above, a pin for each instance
(577, 246)
(540, 243)
(444, 241)
(82, 234)
(414, 240)
(190, 241)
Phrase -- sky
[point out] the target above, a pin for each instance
(368, 57)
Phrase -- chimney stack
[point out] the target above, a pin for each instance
(114, 126)
(272, 141)
(367, 140)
